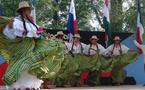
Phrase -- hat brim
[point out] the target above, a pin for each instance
(116, 39)
(19, 9)
(94, 39)
(77, 37)
(59, 35)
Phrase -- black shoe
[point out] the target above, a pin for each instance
(116, 84)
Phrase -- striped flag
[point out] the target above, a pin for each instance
(139, 29)
(72, 23)
(106, 23)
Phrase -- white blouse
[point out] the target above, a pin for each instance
(18, 29)
(9, 33)
(116, 50)
(76, 49)
(93, 49)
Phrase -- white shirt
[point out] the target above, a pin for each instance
(116, 50)
(9, 32)
(76, 49)
(94, 49)
(18, 29)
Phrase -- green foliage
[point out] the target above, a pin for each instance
(53, 14)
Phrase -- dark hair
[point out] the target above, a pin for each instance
(91, 46)
(24, 23)
(119, 50)
(32, 22)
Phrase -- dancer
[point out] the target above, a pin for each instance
(28, 51)
(115, 50)
(94, 47)
(60, 35)
(76, 47)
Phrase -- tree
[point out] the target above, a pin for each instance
(58, 11)
(53, 14)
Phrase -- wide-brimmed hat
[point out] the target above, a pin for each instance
(23, 4)
(116, 38)
(59, 33)
(77, 36)
(94, 37)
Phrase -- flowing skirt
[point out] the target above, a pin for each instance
(26, 54)
(73, 67)
(27, 80)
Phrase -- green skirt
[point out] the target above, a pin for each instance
(72, 67)
(29, 53)
(118, 61)
(50, 56)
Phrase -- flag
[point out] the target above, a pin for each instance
(106, 23)
(72, 23)
(139, 28)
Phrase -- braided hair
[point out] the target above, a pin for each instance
(32, 22)
(90, 48)
(24, 23)
(114, 48)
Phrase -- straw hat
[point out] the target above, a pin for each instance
(59, 33)
(116, 38)
(77, 36)
(94, 37)
(22, 5)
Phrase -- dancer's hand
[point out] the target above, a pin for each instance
(10, 25)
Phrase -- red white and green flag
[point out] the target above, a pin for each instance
(106, 23)
(139, 29)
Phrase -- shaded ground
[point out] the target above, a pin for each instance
(103, 88)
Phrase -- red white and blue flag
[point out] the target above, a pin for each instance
(72, 23)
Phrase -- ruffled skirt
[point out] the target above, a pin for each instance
(25, 55)
(27, 80)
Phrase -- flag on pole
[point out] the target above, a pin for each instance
(72, 23)
(139, 29)
(106, 23)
